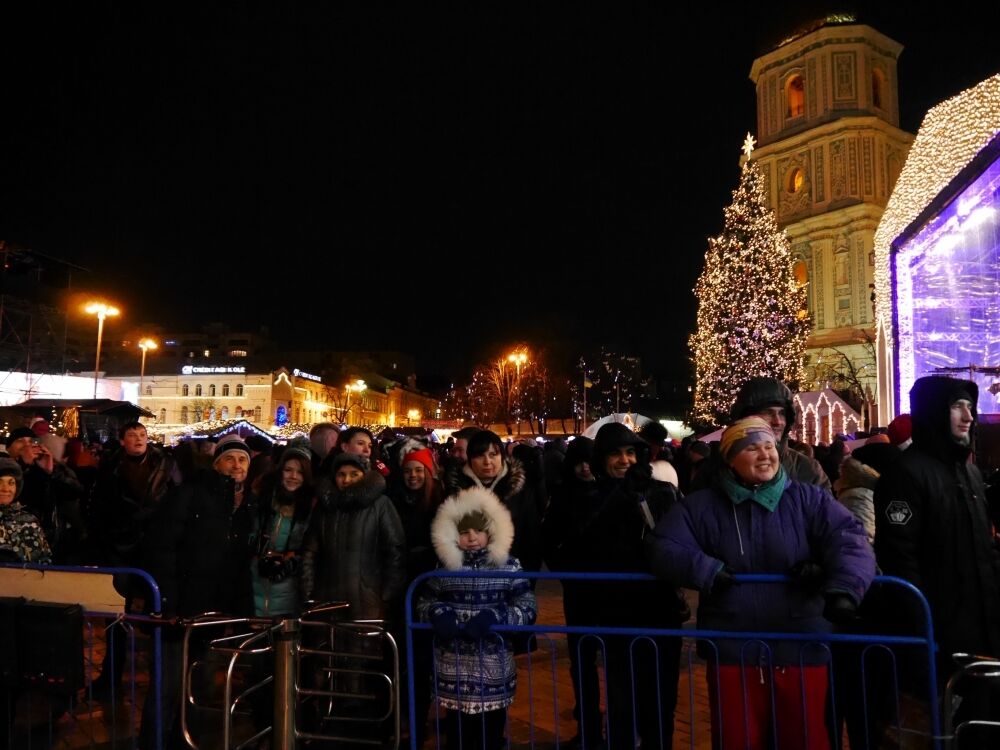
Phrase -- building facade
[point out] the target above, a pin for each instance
(270, 398)
(831, 149)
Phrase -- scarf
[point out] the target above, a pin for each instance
(766, 495)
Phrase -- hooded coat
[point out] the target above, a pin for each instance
(520, 498)
(355, 549)
(476, 676)
(603, 527)
(933, 528)
(855, 488)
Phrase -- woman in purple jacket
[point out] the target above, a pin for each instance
(755, 520)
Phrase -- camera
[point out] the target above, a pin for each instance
(274, 567)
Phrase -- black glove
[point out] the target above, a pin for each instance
(808, 574)
(481, 623)
(840, 608)
(638, 478)
(445, 623)
(723, 581)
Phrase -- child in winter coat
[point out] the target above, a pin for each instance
(476, 676)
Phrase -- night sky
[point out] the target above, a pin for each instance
(439, 178)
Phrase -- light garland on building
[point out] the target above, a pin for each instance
(950, 137)
(752, 317)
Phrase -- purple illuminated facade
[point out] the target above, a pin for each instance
(946, 289)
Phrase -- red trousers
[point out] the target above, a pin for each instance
(743, 717)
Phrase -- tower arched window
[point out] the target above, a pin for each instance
(225, 412)
(795, 96)
(211, 389)
(149, 390)
(225, 389)
(163, 415)
(878, 85)
(184, 415)
(794, 180)
(185, 390)
(197, 390)
(239, 389)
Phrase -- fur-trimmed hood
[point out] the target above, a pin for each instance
(505, 487)
(360, 495)
(444, 529)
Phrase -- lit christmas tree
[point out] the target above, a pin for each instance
(752, 317)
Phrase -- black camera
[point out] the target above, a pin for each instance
(273, 567)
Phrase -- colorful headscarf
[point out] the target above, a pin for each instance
(742, 433)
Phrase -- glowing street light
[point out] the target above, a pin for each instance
(413, 415)
(102, 311)
(145, 345)
(358, 386)
(518, 358)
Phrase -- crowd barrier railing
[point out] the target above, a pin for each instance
(684, 687)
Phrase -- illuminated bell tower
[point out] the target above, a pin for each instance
(830, 148)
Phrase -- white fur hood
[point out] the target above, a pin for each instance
(444, 529)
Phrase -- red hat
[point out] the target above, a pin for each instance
(39, 426)
(422, 456)
(900, 429)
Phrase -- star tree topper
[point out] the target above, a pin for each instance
(748, 145)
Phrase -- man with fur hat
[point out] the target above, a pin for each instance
(475, 670)
(197, 548)
(933, 525)
(771, 400)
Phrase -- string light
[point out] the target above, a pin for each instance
(752, 317)
(951, 135)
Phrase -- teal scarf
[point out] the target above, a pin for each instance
(766, 495)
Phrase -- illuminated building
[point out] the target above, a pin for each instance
(831, 150)
(938, 254)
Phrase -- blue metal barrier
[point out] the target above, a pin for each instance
(94, 620)
(835, 651)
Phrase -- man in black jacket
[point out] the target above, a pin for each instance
(932, 526)
(197, 548)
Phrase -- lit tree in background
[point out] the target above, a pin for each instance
(752, 317)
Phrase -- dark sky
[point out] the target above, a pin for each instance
(440, 178)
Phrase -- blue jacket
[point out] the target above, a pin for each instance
(707, 530)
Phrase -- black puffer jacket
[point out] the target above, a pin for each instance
(521, 499)
(932, 528)
(197, 547)
(355, 549)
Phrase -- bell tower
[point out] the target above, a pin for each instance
(830, 148)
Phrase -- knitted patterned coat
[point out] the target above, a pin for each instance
(476, 676)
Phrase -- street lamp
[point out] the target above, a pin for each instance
(102, 311)
(518, 358)
(145, 345)
(358, 386)
(413, 415)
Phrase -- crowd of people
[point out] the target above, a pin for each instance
(248, 528)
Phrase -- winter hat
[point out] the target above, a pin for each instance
(612, 436)
(475, 520)
(700, 448)
(878, 438)
(879, 456)
(653, 433)
(20, 432)
(744, 432)
(10, 468)
(297, 448)
(39, 426)
(580, 450)
(422, 456)
(230, 442)
(349, 459)
(900, 429)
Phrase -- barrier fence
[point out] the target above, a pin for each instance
(327, 680)
(861, 684)
(62, 626)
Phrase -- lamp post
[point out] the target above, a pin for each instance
(145, 345)
(102, 311)
(358, 386)
(518, 358)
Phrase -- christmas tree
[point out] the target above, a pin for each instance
(752, 317)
